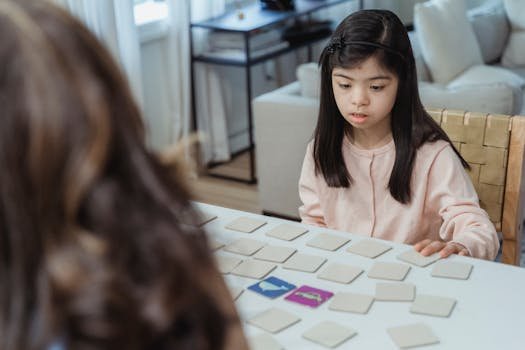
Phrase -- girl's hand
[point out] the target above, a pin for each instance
(428, 247)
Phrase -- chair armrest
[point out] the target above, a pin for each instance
(284, 123)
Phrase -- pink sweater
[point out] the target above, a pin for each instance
(444, 204)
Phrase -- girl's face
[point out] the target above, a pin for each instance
(365, 95)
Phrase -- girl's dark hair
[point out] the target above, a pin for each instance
(363, 34)
(99, 247)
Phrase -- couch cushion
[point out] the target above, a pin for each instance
(308, 76)
(499, 98)
(421, 67)
(491, 27)
(483, 74)
(519, 71)
(514, 54)
(447, 40)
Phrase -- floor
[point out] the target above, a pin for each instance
(241, 196)
(227, 193)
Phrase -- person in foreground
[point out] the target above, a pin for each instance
(98, 243)
(379, 165)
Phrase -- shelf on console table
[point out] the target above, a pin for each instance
(254, 20)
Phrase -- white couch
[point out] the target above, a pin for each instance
(453, 74)
(284, 119)
(471, 60)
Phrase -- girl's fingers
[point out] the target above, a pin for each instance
(428, 247)
(453, 248)
(422, 244)
(432, 248)
(449, 249)
(464, 252)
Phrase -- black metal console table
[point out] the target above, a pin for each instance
(253, 21)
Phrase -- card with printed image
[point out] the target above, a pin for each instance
(272, 287)
(309, 296)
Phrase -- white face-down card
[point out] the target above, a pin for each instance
(389, 271)
(274, 320)
(369, 248)
(395, 291)
(304, 262)
(275, 253)
(452, 269)
(245, 224)
(329, 334)
(433, 305)
(412, 335)
(253, 269)
(327, 241)
(340, 273)
(286, 232)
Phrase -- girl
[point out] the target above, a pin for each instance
(378, 164)
(98, 243)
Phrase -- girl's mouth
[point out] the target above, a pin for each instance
(358, 117)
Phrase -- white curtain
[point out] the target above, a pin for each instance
(179, 72)
(210, 106)
(113, 23)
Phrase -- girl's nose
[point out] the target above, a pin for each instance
(359, 97)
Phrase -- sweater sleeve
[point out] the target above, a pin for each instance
(310, 211)
(452, 195)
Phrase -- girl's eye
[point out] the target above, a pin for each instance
(377, 87)
(344, 86)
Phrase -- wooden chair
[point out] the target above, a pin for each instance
(494, 146)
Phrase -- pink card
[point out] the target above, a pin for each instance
(309, 296)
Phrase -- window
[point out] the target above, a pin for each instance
(147, 11)
(235, 4)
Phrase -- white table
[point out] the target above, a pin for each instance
(489, 313)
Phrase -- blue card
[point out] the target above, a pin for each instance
(271, 287)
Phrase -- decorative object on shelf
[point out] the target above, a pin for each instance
(279, 5)
(238, 8)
